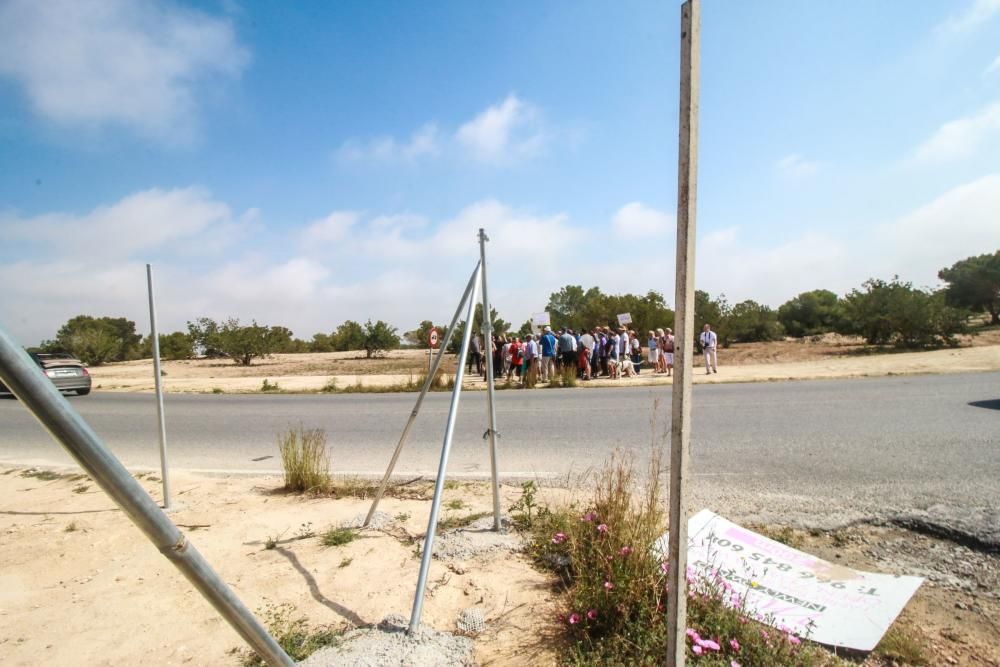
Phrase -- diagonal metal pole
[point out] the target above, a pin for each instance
(490, 394)
(680, 422)
(431, 374)
(54, 412)
(449, 432)
(158, 382)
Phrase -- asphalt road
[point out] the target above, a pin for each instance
(845, 449)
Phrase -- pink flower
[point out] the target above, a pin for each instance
(733, 663)
(603, 528)
(709, 644)
(664, 567)
(693, 634)
(697, 650)
(733, 644)
(608, 585)
(574, 619)
(592, 614)
(558, 538)
(793, 640)
(625, 551)
(763, 633)
(589, 516)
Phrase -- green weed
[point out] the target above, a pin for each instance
(304, 459)
(336, 537)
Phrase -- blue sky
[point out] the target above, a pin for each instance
(302, 164)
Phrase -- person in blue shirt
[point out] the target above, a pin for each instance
(548, 354)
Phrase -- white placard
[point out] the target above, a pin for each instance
(828, 603)
(541, 320)
(625, 318)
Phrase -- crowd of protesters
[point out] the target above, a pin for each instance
(586, 354)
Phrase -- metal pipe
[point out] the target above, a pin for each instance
(164, 472)
(55, 414)
(449, 431)
(490, 396)
(420, 399)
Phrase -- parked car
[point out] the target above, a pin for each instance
(66, 372)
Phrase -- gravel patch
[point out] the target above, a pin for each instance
(380, 520)
(477, 539)
(388, 644)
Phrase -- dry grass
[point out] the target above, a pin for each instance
(305, 459)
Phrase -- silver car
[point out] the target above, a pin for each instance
(66, 372)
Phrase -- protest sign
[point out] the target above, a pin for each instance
(828, 603)
(541, 320)
(625, 318)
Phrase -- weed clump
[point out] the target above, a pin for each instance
(268, 386)
(293, 634)
(335, 537)
(305, 459)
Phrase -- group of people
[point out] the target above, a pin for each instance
(597, 352)
(600, 351)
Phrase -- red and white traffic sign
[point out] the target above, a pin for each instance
(433, 338)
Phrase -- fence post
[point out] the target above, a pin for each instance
(158, 383)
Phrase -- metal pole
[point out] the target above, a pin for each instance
(53, 411)
(490, 396)
(680, 424)
(165, 473)
(423, 392)
(449, 431)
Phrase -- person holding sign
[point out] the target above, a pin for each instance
(709, 342)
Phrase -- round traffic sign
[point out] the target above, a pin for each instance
(433, 338)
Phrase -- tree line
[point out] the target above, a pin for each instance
(882, 312)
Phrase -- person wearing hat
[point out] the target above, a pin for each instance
(548, 342)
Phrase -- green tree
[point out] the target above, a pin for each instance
(525, 329)
(321, 342)
(578, 309)
(241, 343)
(349, 336)
(378, 338)
(749, 321)
(894, 312)
(974, 283)
(810, 313)
(173, 346)
(96, 340)
(420, 337)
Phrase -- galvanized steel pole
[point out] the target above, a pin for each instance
(158, 383)
(420, 399)
(55, 414)
(490, 394)
(680, 425)
(449, 431)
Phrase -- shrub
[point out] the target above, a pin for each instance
(615, 584)
(335, 537)
(267, 385)
(304, 459)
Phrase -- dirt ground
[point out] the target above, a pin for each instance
(829, 356)
(80, 585)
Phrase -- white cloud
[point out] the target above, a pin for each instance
(331, 229)
(503, 132)
(961, 138)
(425, 142)
(144, 221)
(977, 13)
(135, 63)
(638, 222)
(795, 165)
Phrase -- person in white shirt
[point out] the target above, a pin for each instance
(709, 342)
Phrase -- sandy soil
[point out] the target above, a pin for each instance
(80, 585)
(826, 357)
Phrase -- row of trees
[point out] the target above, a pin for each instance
(882, 312)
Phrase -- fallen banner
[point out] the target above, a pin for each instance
(828, 603)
